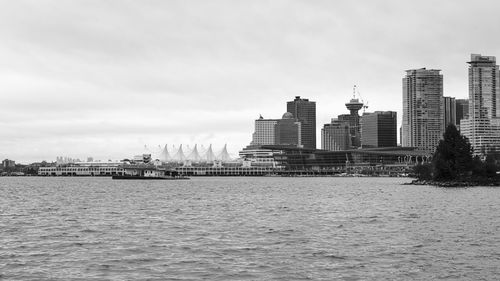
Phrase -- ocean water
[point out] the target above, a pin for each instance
(246, 228)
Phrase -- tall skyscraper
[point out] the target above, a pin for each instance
(450, 111)
(423, 123)
(462, 110)
(304, 111)
(379, 129)
(483, 125)
(336, 135)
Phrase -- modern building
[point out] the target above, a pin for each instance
(380, 161)
(265, 131)
(462, 110)
(423, 124)
(8, 163)
(482, 127)
(379, 129)
(284, 131)
(336, 135)
(304, 111)
(450, 111)
(288, 131)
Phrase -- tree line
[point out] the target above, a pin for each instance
(453, 160)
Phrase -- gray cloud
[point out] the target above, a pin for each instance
(102, 77)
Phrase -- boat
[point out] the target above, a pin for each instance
(147, 172)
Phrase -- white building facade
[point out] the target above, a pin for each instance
(423, 124)
(482, 128)
(336, 136)
(265, 131)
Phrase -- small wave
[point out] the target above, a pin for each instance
(87, 230)
(327, 255)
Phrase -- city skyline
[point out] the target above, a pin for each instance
(103, 79)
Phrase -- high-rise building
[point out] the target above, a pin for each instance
(450, 111)
(336, 135)
(462, 110)
(482, 127)
(288, 131)
(304, 111)
(285, 131)
(423, 123)
(379, 129)
(265, 131)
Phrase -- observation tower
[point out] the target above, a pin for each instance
(354, 105)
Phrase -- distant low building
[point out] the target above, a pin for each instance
(8, 164)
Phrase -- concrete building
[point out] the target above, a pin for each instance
(8, 164)
(265, 131)
(379, 129)
(482, 127)
(423, 124)
(304, 111)
(284, 131)
(336, 136)
(462, 110)
(288, 131)
(450, 111)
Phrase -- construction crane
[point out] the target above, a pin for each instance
(354, 92)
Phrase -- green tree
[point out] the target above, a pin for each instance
(484, 169)
(423, 171)
(453, 157)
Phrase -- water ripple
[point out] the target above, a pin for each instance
(246, 229)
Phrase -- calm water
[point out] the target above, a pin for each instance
(246, 229)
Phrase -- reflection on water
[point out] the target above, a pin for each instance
(246, 229)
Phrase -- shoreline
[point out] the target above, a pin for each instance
(454, 183)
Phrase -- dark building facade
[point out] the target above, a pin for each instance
(379, 129)
(300, 159)
(450, 111)
(287, 131)
(462, 110)
(304, 111)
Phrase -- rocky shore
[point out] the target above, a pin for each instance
(469, 183)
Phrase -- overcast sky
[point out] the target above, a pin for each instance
(104, 78)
